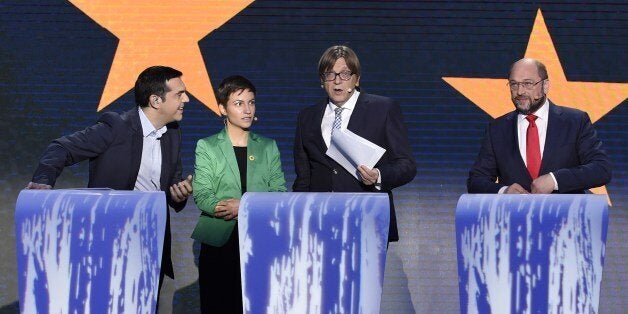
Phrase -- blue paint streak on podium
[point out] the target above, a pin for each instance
(313, 252)
(89, 250)
(530, 253)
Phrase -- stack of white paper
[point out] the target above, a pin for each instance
(351, 150)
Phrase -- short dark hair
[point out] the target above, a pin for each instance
(152, 81)
(231, 85)
(333, 53)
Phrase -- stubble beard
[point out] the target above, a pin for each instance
(534, 105)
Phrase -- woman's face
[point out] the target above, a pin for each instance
(239, 109)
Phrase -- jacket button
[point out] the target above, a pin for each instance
(335, 171)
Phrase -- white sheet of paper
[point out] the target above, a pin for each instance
(351, 150)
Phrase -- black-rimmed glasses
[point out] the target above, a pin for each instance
(331, 76)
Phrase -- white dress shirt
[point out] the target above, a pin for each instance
(330, 114)
(541, 125)
(328, 122)
(522, 131)
(149, 174)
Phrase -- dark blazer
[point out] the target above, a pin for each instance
(572, 152)
(377, 119)
(114, 149)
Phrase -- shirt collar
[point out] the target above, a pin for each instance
(349, 105)
(148, 129)
(542, 113)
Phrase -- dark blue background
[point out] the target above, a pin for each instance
(54, 61)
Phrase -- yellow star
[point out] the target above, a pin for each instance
(595, 98)
(159, 33)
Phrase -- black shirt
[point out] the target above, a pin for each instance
(240, 153)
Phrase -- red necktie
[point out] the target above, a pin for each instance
(533, 149)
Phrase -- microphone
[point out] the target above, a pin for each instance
(255, 119)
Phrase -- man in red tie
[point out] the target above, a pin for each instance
(540, 147)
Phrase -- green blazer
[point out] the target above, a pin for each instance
(217, 177)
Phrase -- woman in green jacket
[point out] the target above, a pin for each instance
(228, 164)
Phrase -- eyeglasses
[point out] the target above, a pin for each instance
(331, 76)
(526, 85)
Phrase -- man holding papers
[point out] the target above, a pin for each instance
(346, 131)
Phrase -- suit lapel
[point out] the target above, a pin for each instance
(226, 147)
(320, 141)
(136, 147)
(551, 136)
(166, 145)
(357, 114)
(253, 157)
(514, 151)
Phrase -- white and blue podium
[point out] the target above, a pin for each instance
(313, 252)
(89, 251)
(530, 253)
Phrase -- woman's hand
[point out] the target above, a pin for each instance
(227, 209)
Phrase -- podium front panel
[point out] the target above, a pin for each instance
(91, 250)
(530, 253)
(313, 252)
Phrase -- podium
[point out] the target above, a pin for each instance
(530, 253)
(89, 251)
(313, 252)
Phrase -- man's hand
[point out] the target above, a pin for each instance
(227, 209)
(179, 192)
(37, 186)
(515, 188)
(543, 184)
(369, 176)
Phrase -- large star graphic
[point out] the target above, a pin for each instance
(159, 33)
(595, 98)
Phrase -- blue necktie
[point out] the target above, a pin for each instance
(337, 119)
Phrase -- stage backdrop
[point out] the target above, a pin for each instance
(60, 62)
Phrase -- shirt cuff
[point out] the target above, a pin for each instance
(555, 182)
(378, 184)
(502, 190)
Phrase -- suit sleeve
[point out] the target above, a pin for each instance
(71, 149)
(400, 167)
(301, 160)
(277, 181)
(204, 182)
(484, 172)
(594, 169)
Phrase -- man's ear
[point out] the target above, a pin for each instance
(154, 101)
